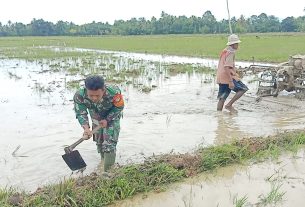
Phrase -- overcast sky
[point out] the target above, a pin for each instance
(81, 12)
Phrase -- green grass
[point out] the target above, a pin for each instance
(97, 191)
(5, 195)
(273, 197)
(33, 53)
(157, 172)
(240, 202)
(267, 47)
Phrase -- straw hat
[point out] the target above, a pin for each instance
(233, 39)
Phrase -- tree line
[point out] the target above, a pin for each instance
(166, 24)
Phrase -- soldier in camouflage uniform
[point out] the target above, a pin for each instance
(105, 105)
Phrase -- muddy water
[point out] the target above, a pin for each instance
(209, 62)
(225, 185)
(37, 120)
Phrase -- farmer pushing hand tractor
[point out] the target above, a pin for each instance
(227, 78)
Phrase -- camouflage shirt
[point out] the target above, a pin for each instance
(110, 107)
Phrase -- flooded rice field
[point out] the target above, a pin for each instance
(273, 183)
(165, 111)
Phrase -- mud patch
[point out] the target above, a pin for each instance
(189, 162)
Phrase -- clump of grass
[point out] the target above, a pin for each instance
(179, 68)
(62, 194)
(223, 155)
(146, 89)
(129, 73)
(174, 69)
(5, 196)
(13, 76)
(240, 202)
(111, 66)
(205, 70)
(73, 84)
(273, 197)
(73, 71)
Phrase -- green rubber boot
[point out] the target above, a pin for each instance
(102, 155)
(109, 159)
(99, 150)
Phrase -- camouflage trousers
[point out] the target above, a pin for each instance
(106, 139)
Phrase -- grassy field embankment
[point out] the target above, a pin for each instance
(154, 174)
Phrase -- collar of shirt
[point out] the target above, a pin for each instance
(231, 49)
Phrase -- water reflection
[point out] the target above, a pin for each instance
(227, 129)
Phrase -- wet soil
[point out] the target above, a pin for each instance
(178, 114)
